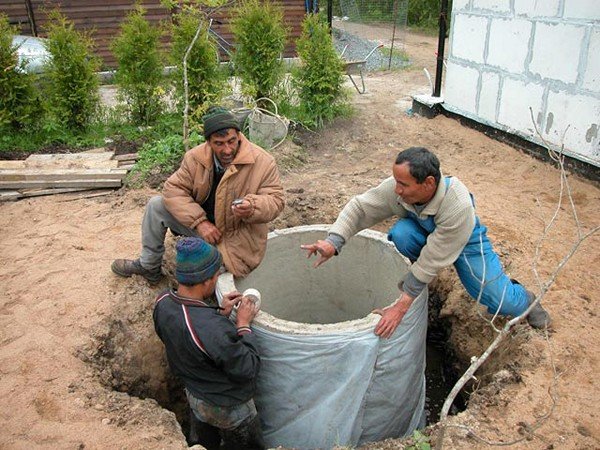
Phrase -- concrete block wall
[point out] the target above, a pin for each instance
(507, 56)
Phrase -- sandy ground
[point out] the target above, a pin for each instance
(76, 341)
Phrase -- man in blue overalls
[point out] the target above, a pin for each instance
(437, 227)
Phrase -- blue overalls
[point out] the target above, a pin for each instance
(500, 294)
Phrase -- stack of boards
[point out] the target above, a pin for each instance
(59, 173)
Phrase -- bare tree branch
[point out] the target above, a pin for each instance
(544, 287)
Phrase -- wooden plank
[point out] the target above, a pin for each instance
(10, 196)
(52, 191)
(92, 156)
(127, 166)
(13, 164)
(61, 174)
(25, 164)
(127, 157)
(99, 183)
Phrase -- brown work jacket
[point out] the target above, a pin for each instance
(252, 175)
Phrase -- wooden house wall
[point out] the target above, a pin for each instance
(103, 18)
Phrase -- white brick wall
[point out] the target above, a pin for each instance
(517, 98)
(582, 9)
(580, 113)
(591, 79)
(469, 42)
(459, 4)
(493, 5)
(508, 55)
(539, 8)
(556, 51)
(464, 93)
(508, 44)
(488, 96)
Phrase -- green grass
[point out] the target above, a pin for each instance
(100, 132)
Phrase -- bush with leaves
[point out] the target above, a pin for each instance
(320, 76)
(139, 71)
(71, 81)
(207, 81)
(158, 159)
(260, 37)
(19, 102)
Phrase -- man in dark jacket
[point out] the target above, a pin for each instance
(217, 361)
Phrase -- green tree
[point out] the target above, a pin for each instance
(260, 37)
(139, 71)
(19, 102)
(320, 76)
(207, 81)
(72, 84)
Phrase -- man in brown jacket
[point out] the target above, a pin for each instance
(225, 191)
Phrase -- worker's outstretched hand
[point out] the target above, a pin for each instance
(229, 301)
(324, 249)
(392, 315)
(208, 232)
(246, 312)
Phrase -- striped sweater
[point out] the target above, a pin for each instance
(452, 209)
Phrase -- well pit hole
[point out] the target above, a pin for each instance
(128, 357)
(443, 368)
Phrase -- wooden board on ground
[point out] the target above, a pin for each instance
(41, 184)
(56, 157)
(61, 174)
(127, 157)
(65, 172)
(9, 196)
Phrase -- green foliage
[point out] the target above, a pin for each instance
(260, 40)
(109, 124)
(161, 157)
(72, 84)
(421, 14)
(320, 75)
(420, 441)
(139, 71)
(19, 102)
(207, 81)
(425, 14)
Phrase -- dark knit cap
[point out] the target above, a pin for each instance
(197, 261)
(218, 118)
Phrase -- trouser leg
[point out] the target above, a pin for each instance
(203, 433)
(408, 237)
(478, 267)
(154, 228)
(481, 273)
(248, 435)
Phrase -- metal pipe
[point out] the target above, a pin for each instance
(440, 53)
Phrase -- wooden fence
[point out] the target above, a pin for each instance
(103, 17)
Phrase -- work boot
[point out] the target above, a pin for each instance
(538, 318)
(128, 267)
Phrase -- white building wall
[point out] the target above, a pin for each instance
(508, 57)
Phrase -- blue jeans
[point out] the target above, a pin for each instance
(499, 294)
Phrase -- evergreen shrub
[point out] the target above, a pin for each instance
(19, 101)
(260, 37)
(139, 71)
(320, 75)
(71, 83)
(207, 81)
